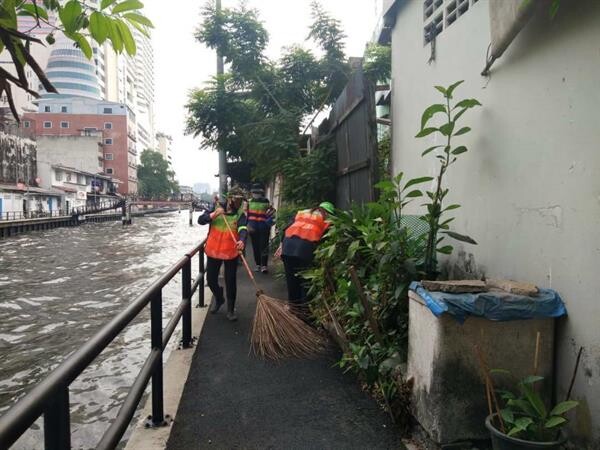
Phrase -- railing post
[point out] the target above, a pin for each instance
(186, 297)
(158, 413)
(57, 423)
(201, 271)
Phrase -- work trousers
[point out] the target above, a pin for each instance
(295, 283)
(260, 245)
(212, 279)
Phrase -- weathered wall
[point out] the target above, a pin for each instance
(78, 152)
(530, 185)
(17, 159)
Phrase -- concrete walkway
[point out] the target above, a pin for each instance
(233, 400)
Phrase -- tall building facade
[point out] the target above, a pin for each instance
(107, 76)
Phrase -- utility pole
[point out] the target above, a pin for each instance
(220, 89)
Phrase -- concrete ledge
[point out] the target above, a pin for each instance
(176, 372)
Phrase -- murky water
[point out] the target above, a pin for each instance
(57, 288)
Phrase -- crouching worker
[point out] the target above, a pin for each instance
(222, 249)
(300, 239)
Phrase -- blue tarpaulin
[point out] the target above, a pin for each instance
(493, 305)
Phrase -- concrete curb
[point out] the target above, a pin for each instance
(176, 371)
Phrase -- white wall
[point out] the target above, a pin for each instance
(530, 184)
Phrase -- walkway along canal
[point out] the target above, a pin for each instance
(59, 287)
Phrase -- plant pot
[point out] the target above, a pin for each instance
(501, 441)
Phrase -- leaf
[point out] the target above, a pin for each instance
(531, 379)
(69, 15)
(127, 37)
(138, 18)
(426, 132)
(451, 207)
(106, 3)
(430, 149)
(352, 249)
(419, 180)
(430, 112)
(522, 405)
(451, 88)
(563, 407)
(127, 5)
(98, 27)
(554, 8)
(29, 9)
(414, 194)
(507, 415)
(446, 249)
(441, 89)
(460, 237)
(523, 422)
(467, 103)
(534, 399)
(554, 421)
(447, 128)
(82, 43)
(459, 150)
(385, 185)
(463, 130)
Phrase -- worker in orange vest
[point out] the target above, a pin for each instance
(300, 239)
(222, 249)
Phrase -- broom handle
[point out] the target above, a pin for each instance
(250, 274)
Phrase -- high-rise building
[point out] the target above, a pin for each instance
(163, 146)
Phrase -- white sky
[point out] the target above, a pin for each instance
(182, 64)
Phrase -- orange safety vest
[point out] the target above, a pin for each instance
(308, 225)
(219, 244)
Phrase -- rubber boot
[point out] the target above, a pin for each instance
(218, 302)
(231, 310)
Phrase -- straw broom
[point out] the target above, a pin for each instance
(277, 330)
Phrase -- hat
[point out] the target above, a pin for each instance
(257, 189)
(328, 206)
(235, 192)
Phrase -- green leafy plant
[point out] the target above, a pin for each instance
(447, 154)
(378, 63)
(371, 241)
(78, 20)
(526, 415)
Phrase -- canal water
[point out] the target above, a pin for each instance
(59, 287)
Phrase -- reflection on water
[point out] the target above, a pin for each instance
(58, 287)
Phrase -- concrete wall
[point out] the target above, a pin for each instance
(79, 152)
(529, 185)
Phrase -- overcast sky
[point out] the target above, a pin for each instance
(182, 64)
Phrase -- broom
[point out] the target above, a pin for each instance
(277, 331)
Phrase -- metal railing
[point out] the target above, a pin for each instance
(23, 215)
(50, 397)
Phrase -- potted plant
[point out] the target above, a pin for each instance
(525, 422)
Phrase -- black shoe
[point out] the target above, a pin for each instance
(217, 302)
(231, 310)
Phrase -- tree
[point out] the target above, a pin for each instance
(154, 176)
(256, 110)
(78, 20)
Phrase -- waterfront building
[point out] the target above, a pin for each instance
(110, 124)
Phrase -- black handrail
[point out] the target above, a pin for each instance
(50, 397)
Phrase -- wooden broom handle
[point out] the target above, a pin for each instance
(250, 274)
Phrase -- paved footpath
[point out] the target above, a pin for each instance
(234, 400)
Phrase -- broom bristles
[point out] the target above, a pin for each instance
(278, 332)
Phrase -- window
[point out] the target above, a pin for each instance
(108, 125)
(47, 124)
(440, 14)
(80, 179)
(27, 124)
(69, 177)
(108, 156)
(63, 109)
(107, 110)
(46, 109)
(58, 175)
(108, 141)
(64, 124)
(109, 171)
